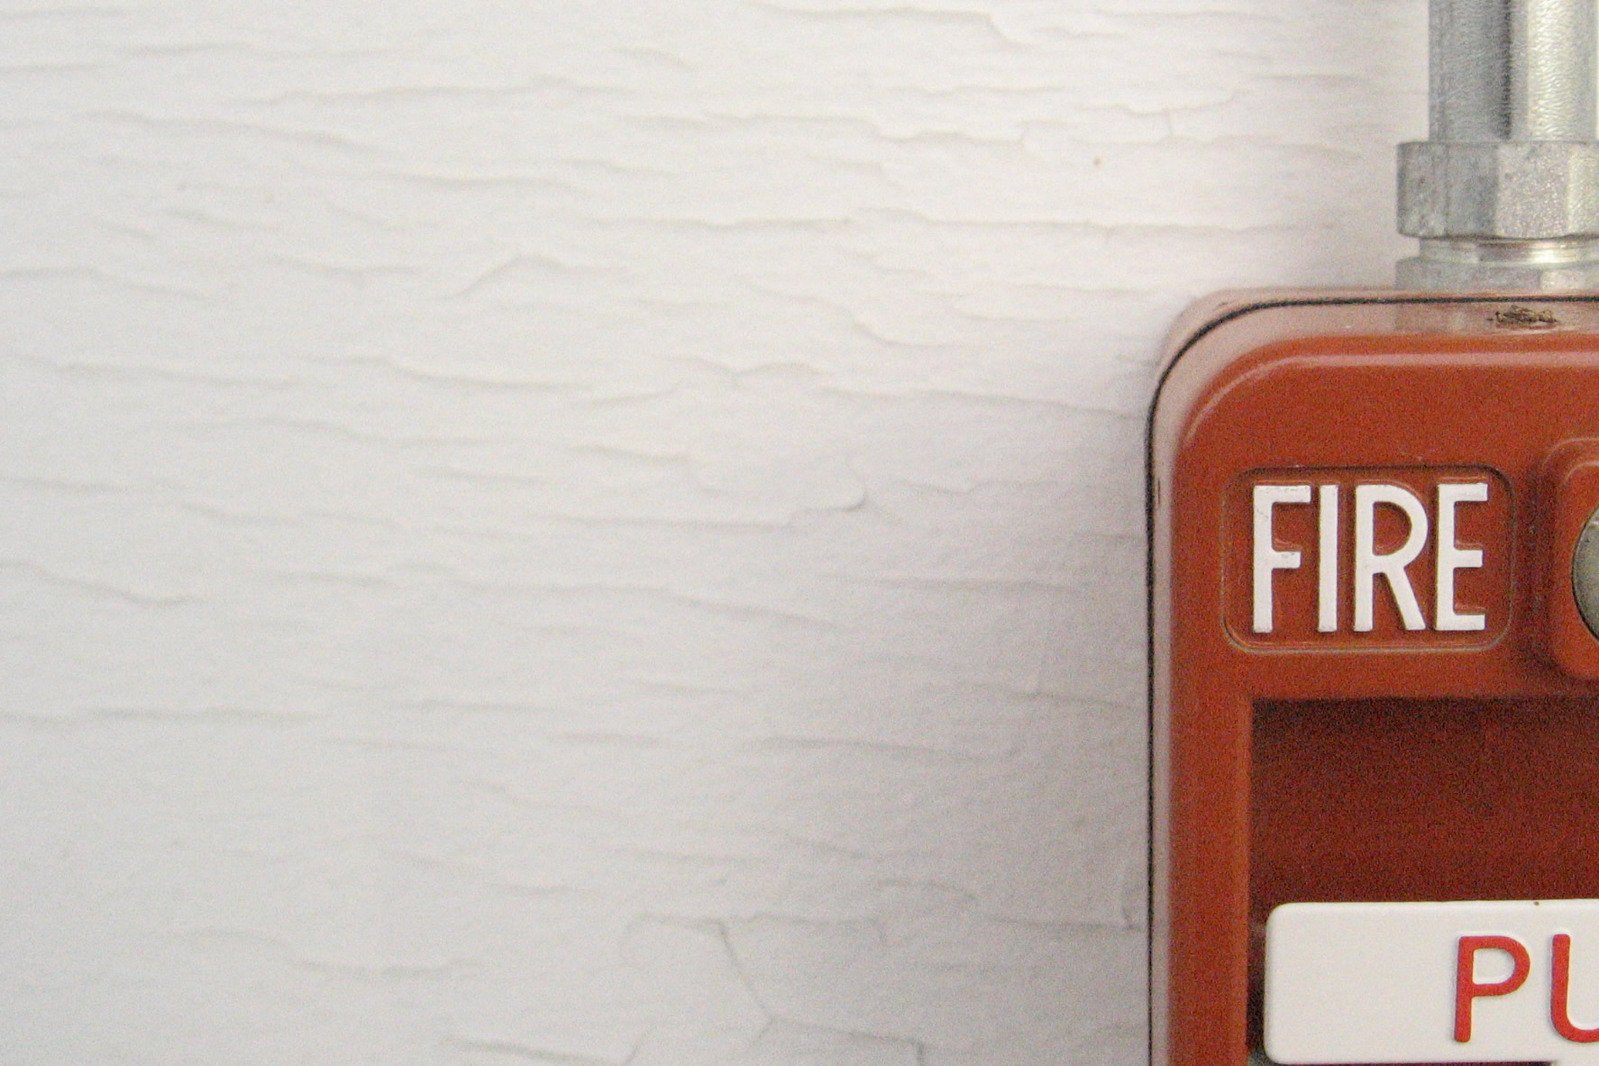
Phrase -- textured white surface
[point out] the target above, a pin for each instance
(611, 532)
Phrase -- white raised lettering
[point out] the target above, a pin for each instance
(1327, 561)
(1452, 557)
(1268, 559)
(1371, 564)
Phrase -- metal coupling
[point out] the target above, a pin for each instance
(1504, 193)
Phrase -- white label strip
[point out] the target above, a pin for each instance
(1433, 982)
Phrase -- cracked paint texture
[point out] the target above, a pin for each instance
(611, 532)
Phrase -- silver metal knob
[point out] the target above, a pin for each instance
(1585, 573)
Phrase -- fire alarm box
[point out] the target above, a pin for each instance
(1374, 610)
(1373, 682)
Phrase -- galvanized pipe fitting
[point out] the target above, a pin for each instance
(1504, 194)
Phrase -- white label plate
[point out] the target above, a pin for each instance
(1433, 982)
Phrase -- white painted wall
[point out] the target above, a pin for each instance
(610, 531)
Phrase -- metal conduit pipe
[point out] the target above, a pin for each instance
(1504, 193)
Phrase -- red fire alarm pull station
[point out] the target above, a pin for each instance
(1374, 563)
